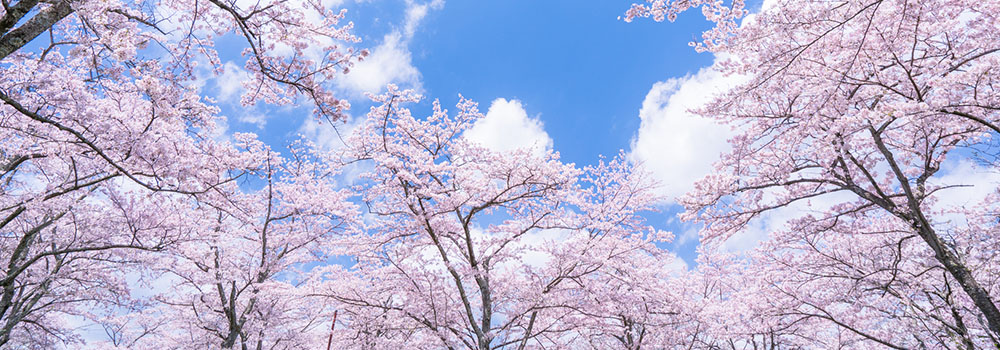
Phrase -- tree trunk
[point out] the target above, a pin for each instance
(34, 27)
(964, 277)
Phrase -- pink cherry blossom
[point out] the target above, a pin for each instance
(851, 112)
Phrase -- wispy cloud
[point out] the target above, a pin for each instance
(391, 60)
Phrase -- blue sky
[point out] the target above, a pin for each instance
(574, 65)
(571, 74)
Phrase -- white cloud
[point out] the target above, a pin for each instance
(390, 62)
(677, 146)
(974, 183)
(689, 234)
(415, 13)
(975, 187)
(507, 127)
(230, 82)
(680, 147)
(258, 120)
(676, 265)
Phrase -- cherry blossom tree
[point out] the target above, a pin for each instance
(855, 107)
(106, 145)
(74, 200)
(842, 287)
(237, 283)
(474, 249)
